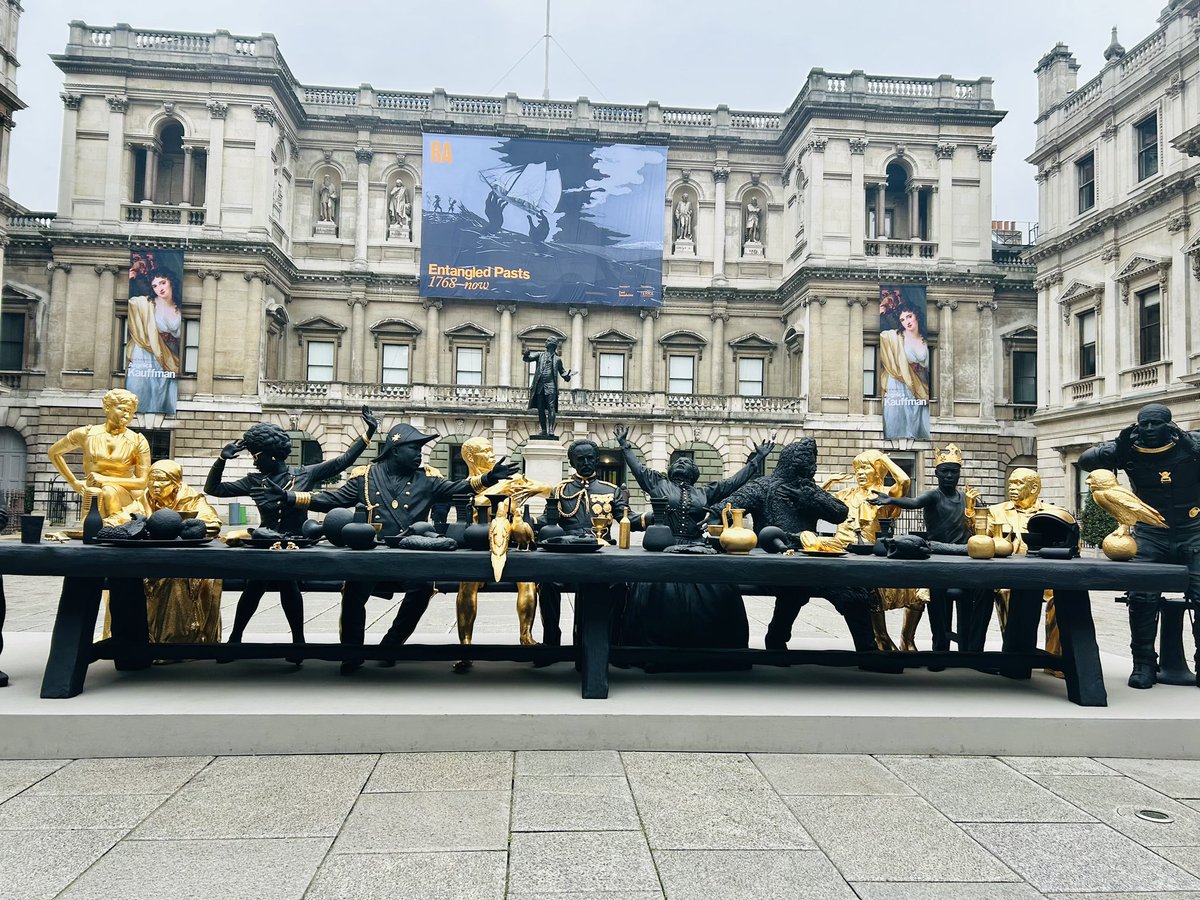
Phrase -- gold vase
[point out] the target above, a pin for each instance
(980, 546)
(736, 538)
(1003, 546)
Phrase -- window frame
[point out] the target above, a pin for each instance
(611, 354)
(384, 368)
(1015, 378)
(1144, 329)
(1145, 152)
(873, 348)
(22, 316)
(1081, 346)
(459, 349)
(691, 379)
(1088, 159)
(191, 327)
(761, 359)
(309, 344)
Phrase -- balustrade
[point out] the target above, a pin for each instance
(921, 249)
(152, 214)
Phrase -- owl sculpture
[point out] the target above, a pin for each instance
(1124, 506)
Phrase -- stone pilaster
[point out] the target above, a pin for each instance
(206, 365)
(214, 165)
(506, 311)
(720, 175)
(578, 314)
(56, 334)
(719, 316)
(987, 359)
(363, 155)
(113, 166)
(252, 346)
(433, 338)
(66, 165)
(648, 317)
(101, 363)
(854, 342)
(358, 337)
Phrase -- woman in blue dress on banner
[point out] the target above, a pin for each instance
(904, 356)
(153, 347)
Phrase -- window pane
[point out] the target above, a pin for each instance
(1146, 137)
(750, 377)
(1024, 388)
(320, 361)
(612, 371)
(12, 341)
(1087, 344)
(469, 365)
(395, 364)
(870, 370)
(1085, 171)
(1149, 326)
(191, 346)
(682, 370)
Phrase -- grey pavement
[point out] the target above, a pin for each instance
(617, 826)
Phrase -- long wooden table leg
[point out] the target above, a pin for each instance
(594, 604)
(1020, 634)
(130, 631)
(1080, 654)
(71, 642)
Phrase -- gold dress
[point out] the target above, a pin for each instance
(123, 455)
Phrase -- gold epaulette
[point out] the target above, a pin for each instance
(358, 471)
(432, 471)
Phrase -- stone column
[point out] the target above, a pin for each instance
(433, 338)
(858, 197)
(1045, 318)
(880, 223)
(933, 214)
(252, 346)
(816, 177)
(946, 355)
(648, 316)
(984, 152)
(358, 337)
(854, 392)
(104, 323)
(148, 174)
(264, 172)
(945, 213)
(578, 314)
(813, 345)
(987, 359)
(720, 175)
(207, 363)
(214, 170)
(1056, 345)
(113, 179)
(506, 311)
(188, 162)
(914, 212)
(1113, 317)
(57, 330)
(66, 165)
(364, 155)
(719, 316)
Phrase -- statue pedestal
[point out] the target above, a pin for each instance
(397, 233)
(684, 247)
(752, 248)
(543, 462)
(325, 229)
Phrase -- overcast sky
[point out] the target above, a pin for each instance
(751, 55)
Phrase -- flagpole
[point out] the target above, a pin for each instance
(546, 81)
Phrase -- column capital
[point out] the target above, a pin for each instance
(722, 314)
(581, 311)
(858, 301)
(364, 154)
(217, 109)
(989, 305)
(55, 264)
(720, 174)
(431, 303)
(644, 314)
(205, 274)
(188, 149)
(118, 103)
(944, 150)
(858, 145)
(808, 301)
(357, 300)
(947, 303)
(503, 308)
(100, 270)
(71, 101)
(250, 276)
(985, 151)
(818, 143)
(264, 112)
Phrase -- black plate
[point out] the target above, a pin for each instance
(266, 543)
(572, 548)
(174, 542)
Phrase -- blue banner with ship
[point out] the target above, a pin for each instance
(523, 219)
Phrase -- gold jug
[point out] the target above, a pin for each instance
(1004, 547)
(736, 538)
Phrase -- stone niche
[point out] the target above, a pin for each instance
(327, 202)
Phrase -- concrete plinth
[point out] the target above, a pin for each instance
(543, 462)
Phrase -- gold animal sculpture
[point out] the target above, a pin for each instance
(1124, 506)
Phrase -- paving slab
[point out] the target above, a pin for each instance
(39, 864)
(1115, 801)
(877, 890)
(573, 803)
(710, 801)
(981, 789)
(262, 796)
(569, 762)
(1128, 895)
(1187, 858)
(1057, 765)
(616, 863)
(828, 774)
(447, 771)
(270, 869)
(1178, 778)
(895, 839)
(17, 775)
(155, 775)
(1081, 858)
(23, 812)
(411, 876)
(749, 875)
(426, 821)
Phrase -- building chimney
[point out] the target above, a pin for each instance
(1056, 74)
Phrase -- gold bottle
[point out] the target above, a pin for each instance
(623, 531)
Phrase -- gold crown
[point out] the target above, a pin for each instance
(950, 455)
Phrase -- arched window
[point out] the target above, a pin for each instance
(168, 171)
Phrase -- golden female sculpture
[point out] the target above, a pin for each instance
(116, 461)
(477, 453)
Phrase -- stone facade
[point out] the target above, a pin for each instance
(1117, 257)
(863, 180)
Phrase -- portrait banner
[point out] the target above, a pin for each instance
(904, 359)
(545, 221)
(154, 328)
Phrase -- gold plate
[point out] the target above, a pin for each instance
(823, 552)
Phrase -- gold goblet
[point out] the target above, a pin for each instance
(600, 525)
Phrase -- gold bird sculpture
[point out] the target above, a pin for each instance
(1124, 506)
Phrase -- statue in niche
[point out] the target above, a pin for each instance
(683, 218)
(399, 208)
(753, 228)
(327, 201)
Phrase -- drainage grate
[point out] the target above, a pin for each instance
(1157, 816)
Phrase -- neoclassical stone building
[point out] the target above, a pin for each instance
(1118, 254)
(209, 143)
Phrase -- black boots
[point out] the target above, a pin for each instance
(1143, 629)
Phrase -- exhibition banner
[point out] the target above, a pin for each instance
(543, 221)
(154, 328)
(904, 358)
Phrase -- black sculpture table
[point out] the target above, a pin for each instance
(599, 581)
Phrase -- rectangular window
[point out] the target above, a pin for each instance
(468, 365)
(750, 376)
(612, 372)
(395, 364)
(122, 337)
(159, 440)
(1024, 377)
(681, 372)
(870, 370)
(1082, 491)
(12, 341)
(1149, 310)
(1087, 343)
(1145, 135)
(1085, 175)
(191, 346)
(320, 361)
